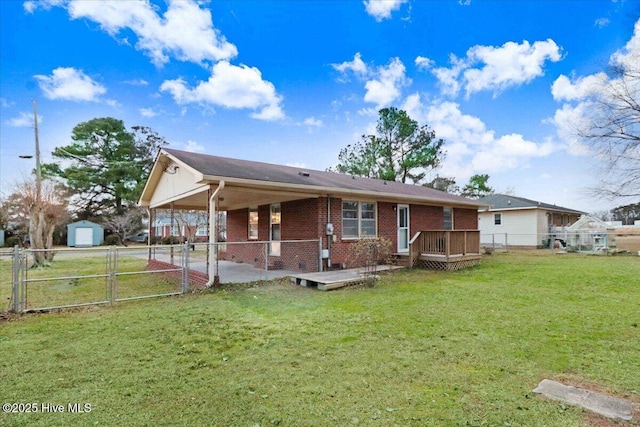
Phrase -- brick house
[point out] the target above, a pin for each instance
(273, 203)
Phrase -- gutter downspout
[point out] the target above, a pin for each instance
(213, 238)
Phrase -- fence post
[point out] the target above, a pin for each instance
(506, 242)
(185, 269)
(17, 298)
(114, 273)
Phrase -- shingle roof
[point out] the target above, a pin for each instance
(503, 201)
(223, 167)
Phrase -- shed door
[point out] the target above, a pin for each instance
(84, 236)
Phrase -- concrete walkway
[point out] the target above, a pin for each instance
(610, 407)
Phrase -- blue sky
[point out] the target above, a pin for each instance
(293, 82)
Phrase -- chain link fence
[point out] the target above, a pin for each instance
(76, 277)
(583, 241)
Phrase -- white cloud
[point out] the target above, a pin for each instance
(578, 95)
(565, 90)
(194, 147)
(137, 82)
(386, 87)
(448, 77)
(629, 56)
(381, 9)
(602, 22)
(296, 165)
(471, 147)
(6, 103)
(233, 87)
(147, 112)
(497, 68)
(424, 63)
(312, 122)
(568, 120)
(383, 83)
(357, 66)
(69, 84)
(23, 120)
(185, 31)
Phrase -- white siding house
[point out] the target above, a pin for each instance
(521, 222)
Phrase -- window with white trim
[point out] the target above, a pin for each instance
(497, 219)
(359, 219)
(253, 224)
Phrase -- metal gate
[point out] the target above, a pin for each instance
(94, 276)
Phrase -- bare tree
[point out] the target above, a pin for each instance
(42, 211)
(189, 221)
(126, 224)
(612, 127)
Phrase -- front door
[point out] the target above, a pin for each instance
(403, 228)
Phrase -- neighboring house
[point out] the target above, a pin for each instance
(181, 224)
(84, 234)
(273, 203)
(526, 223)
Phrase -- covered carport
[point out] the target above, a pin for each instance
(179, 181)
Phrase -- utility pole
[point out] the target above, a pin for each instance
(38, 170)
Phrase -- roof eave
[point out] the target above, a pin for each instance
(316, 190)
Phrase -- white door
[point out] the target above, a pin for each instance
(84, 236)
(274, 230)
(403, 228)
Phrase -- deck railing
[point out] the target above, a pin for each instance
(446, 243)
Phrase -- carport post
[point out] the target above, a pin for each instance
(185, 266)
(214, 279)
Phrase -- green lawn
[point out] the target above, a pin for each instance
(420, 348)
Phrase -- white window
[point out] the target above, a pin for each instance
(447, 223)
(358, 219)
(497, 219)
(202, 230)
(253, 224)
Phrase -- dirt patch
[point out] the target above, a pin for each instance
(629, 243)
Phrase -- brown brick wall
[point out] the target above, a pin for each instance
(306, 219)
(465, 219)
(425, 218)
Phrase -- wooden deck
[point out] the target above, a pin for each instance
(327, 280)
(445, 249)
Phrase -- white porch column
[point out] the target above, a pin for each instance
(213, 237)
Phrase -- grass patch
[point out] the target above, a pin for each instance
(420, 348)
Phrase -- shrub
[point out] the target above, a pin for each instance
(171, 240)
(113, 240)
(369, 253)
(12, 241)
